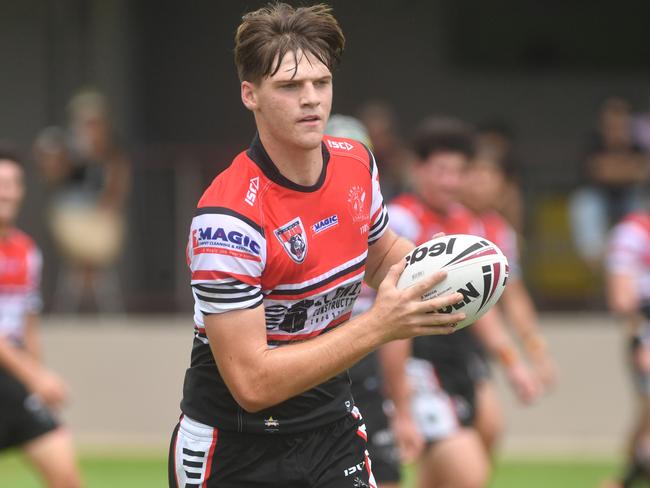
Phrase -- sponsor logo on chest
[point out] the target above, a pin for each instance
(326, 223)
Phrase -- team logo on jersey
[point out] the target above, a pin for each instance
(357, 203)
(325, 224)
(293, 238)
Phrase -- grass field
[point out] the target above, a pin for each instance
(150, 472)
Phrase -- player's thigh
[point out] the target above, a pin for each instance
(489, 415)
(54, 456)
(458, 461)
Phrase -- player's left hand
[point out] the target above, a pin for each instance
(407, 436)
(545, 370)
(524, 383)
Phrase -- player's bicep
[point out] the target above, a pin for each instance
(238, 341)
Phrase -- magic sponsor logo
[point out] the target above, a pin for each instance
(326, 223)
(219, 237)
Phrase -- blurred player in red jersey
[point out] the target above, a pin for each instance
(29, 393)
(483, 186)
(445, 372)
(628, 296)
(278, 248)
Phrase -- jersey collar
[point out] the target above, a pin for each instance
(260, 157)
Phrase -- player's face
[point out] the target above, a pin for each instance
(11, 191)
(482, 186)
(439, 178)
(292, 110)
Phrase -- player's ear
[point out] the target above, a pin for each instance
(248, 95)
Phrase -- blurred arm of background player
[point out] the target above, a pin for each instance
(520, 310)
(491, 332)
(623, 299)
(393, 357)
(257, 375)
(25, 365)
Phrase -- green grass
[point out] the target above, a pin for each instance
(151, 472)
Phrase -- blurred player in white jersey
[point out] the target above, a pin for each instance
(29, 393)
(628, 295)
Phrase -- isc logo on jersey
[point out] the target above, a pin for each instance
(340, 145)
(210, 240)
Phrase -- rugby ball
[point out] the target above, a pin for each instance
(475, 267)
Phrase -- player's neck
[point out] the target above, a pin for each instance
(301, 166)
(5, 229)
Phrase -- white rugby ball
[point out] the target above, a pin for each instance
(475, 267)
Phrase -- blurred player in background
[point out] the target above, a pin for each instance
(628, 296)
(446, 373)
(29, 393)
(388, 421)
(278, 248)
(483, 187)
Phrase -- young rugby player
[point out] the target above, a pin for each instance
(29, 393)
(279, 245)
(446, 372)
(628, 295)
(484, 185)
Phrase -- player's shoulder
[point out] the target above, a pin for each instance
(406, 201)
(341, 148)
(640, 219)
(21, 239)
(235, 191)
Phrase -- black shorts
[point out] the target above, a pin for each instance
(22, 415)
(334, 456)
(366, 390)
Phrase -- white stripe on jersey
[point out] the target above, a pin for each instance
(322, 277)
(379, 227)
(403, 222)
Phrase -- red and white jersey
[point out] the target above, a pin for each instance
(629, 251)
(20, 276)
(413, 219)
(260, 239)
(497, 229)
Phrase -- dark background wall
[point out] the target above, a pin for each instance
(167, 68)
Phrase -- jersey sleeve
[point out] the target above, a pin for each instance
(626, 247)
(403, 222)
(226, 254)
(378, 211)
(34, 301)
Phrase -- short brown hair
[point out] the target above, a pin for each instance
(267, 34)
(443, 134)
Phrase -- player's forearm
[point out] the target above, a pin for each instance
(520, 309)
(492, 334)
(32, 340)
(278, 374)
(397, 249)
(18, 363)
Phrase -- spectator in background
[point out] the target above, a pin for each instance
(90, 178)
(29, 393)
(628, 295)
(614, 173)
(393, 157)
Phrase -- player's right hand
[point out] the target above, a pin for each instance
(403, 314)
(50, 388)
(525, 385)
